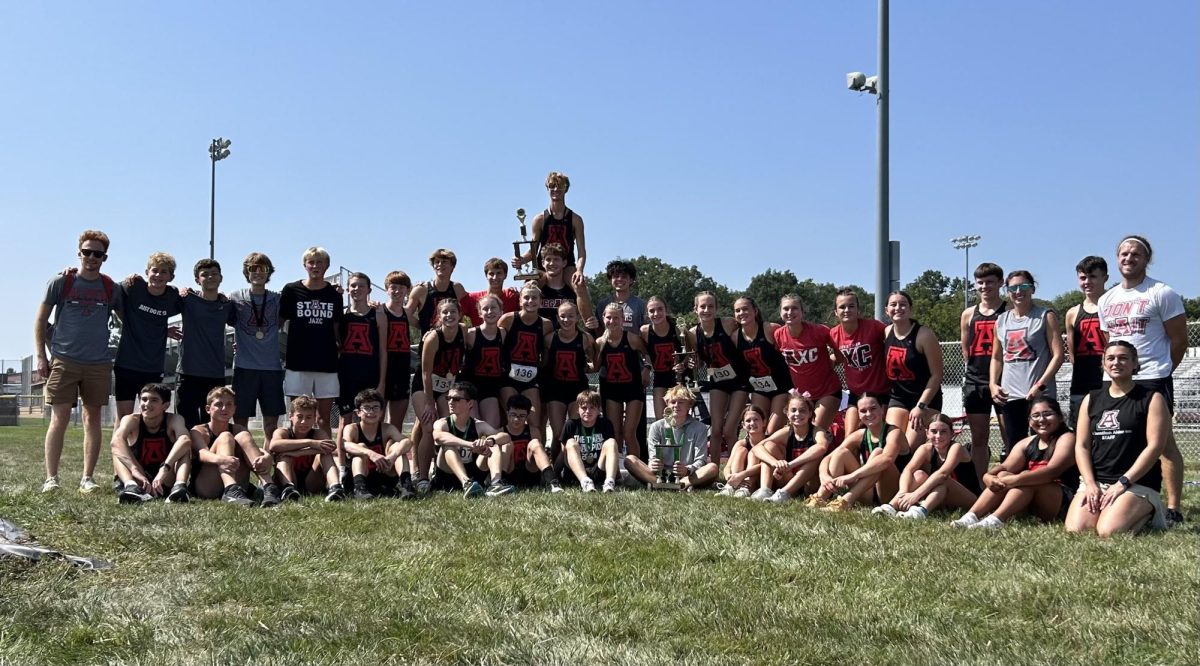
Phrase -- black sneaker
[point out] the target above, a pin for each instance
(1174, 518)
(117, 486)
(178, 495)
(361, 492)
(290, 494)
(270, 495)
(236, 494)
(335, 494)
(133, 495)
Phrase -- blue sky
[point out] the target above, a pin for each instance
(709, 133)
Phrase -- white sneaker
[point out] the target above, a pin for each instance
(967, 520)
(761, 495)
(741, 493)
(917, 512)
(610, 485)
(779, 496)
(587, 486)
(989, 523)
(50, 485)
(884, 510)
(726, 491)
(87, 486)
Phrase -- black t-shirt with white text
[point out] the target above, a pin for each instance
(590, 439)
(313, 317)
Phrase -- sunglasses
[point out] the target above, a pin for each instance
(456, 398)
(95, 254)
(1017, 288)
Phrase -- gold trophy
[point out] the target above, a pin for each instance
(527, 271)
(684, 358)
(667, 480)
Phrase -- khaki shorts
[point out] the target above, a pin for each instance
(69, 380)
(1158, 515)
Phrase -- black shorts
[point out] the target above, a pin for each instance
(382, 485)
(593, 472)
(523, 477)
(519, 386)
(665, 380)
(1068, 494)
(977, 399)
(728, 386)
(192, 395)
(911, 403)
(258, 389)
(487, 387)
(349, 386)
(129, 382)
(629, 392)
(447, 481)
(1163, 385)
(398, 384)
(564, 392)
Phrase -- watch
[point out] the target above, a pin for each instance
(921, 405)
(1124, 481)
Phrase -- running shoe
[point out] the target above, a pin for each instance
(336, 493)
(555, 487)
(989, 523)
(178, 495)
(289, 494)
(423, 486)
(587, 486)
(50, 485)
(968, 519)
(761, 495)
(87, 486)
(725, 490)
(610, 486)
(362, 493)
(236, 494)
(884, 510)
(1174, 518)
(779, 496)
(472, 489)
(500, 488)
(917, 512)
(133, 495)
(814, 502)
(271, 495)
(742, 493)
(838, 504)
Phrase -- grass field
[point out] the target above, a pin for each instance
(535, 578)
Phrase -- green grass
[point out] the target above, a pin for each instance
(626, 578)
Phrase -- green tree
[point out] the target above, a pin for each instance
(1191, 308)
(937, 302)
(676, 285)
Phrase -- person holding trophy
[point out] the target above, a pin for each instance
(677, 455)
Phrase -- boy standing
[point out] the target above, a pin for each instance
(977, 331)
(312, 309)
(257, 369)
(1085, 339)
(202, 351)
(558, 224)
(147, 306)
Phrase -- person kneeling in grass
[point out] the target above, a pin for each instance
(791, 457)
(676, 428)
(941, 472)
(591, 445)
(1037, 477)
(528, 465)
(304, 454)
(376, 449)
(227, 453)
(865, 461)
(468, 449)
(152, 450)
(743, 468)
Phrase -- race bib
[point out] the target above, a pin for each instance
(763, 384)
(523, 373)
(442, 384)
(466, 455)
(721, 374)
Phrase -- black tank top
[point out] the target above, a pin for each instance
(763, 360)
(662, 348)
(796, 447)
(868, 444)
(399, 345)
(1037, 458)
(552, 298)
(448, 360)
(981, 333)
(151, 448)
(483, 360)
(620, 364)
(718, 350)
(906, 366)
(425, 315)
(376, 443)
(559, 231)
(1119, 435)
(963, 472)
(520, 443)
(360, 344)
(523, 343)
(567, 360)
(1086, 372)
(470, 434)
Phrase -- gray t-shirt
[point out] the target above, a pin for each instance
(635, 312)
(144, 318)
(80, 332)
(1026, 351)
(202, 350)
(254, 315)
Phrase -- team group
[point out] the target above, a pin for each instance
(504, 401)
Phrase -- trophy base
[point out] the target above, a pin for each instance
(525, 277)
(664, 485)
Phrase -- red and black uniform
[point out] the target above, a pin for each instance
(727, 369)
(358, 362)
(1119, 435)
(769, 374)
(797, 446)
(558, 230)
(621, 371)
(427, 319)
(1068, 481)
(981, 334)
(964, 472)
(448, 360)
(864, 352)
(908, 369)
(399, 351)
(566, 364)
(522, 475)
(522, 353)
(443, 480)
(484, 366)
(662, 350)
(378, 482)
(302, 465)
(151, 449)
(552, 298)
(1086, 373)
(807, 359)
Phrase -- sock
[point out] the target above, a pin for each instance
(132, 486)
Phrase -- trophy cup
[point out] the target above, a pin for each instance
(528, 271)
(667, 480)
(685, 358)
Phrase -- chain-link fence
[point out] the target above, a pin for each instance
(1186, 380)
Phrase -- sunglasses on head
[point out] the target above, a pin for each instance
(95, 254)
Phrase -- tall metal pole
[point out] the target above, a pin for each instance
(883, 237)
(212, 212)
(967, 278)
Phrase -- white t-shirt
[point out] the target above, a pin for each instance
(1137, 315)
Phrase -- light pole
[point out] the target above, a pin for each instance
(217, 151)
(966, 243)
(878, 85)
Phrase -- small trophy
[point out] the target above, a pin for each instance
(667, 480)
(684, 358)
(519, 248)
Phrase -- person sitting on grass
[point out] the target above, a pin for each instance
(865, 461)
(375, 449)
(468, 449)
(1123, 429)
(591, 445)
(677, 428)
(227, 453)
(1037, 477)
(941, 472)
(528, 465)
(304, 454)
(791, 457)
(743, 467)
(151, 450)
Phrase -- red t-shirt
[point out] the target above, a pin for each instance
(807, 358)
(865, 367)
(510, 301)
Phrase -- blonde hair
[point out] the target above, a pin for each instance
(680, 392)
(315, 252)
(162, 261)
(557, 178)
